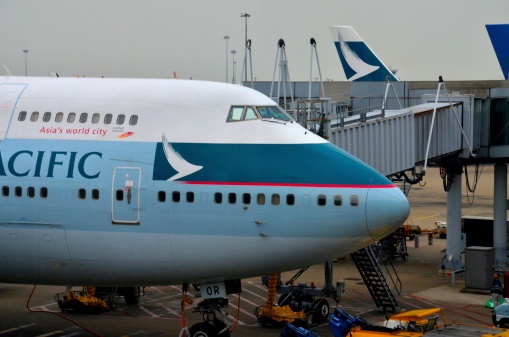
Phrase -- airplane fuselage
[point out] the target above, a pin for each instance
(142, 182)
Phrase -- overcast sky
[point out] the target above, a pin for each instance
(154, 38)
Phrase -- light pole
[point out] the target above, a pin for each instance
(233, 70)
(226, 38)
(26, 68)
(245, 16)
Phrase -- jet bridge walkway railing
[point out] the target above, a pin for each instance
(374, 279)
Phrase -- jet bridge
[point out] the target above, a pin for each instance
(450, 131)
(394, 141)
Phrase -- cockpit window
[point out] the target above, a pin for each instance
(244, 113)
(273, 112)
(250, 113)
(235, 113)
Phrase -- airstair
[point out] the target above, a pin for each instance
(375, 280)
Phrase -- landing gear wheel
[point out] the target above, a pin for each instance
(203, 329)
(131, 295)
(322, 310)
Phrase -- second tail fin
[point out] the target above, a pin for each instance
(499, 35)
(359, 62)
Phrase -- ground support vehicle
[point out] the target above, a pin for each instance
(501, 315)
(96, 300)
(440, 230)
(290, 330)
(414, 323)
(412, 230)
(301, 305)
(86, 300)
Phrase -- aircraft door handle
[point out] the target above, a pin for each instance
(129, 196)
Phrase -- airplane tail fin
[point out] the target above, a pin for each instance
(499, 35)
(7, 72)
(359, 62)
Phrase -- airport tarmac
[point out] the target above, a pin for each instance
(158, 313)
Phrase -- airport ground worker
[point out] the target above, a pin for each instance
(497, 291)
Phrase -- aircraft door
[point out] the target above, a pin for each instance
(125, 195)
(9, 94)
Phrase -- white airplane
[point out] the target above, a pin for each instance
(141, 182)
(359, 62)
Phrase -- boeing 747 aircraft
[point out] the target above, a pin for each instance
(359, 62)
(137, 182)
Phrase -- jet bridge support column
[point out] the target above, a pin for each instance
(500, 212)
(454, 246)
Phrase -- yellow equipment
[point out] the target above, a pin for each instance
(414, 323)
(281, 314)
(81, 300)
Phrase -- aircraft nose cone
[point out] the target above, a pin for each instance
(386, 210)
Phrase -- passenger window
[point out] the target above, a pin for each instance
(321, 200)
(108, 118)
(246, 198)
(250, 114)
(120, 119)
(31, 192)
(95, 118)
(5, 191)
(235, 113)
(290, 199)
(59, 117)
(71, 117)
(260, 199)
(338, 200)
(161, 196)
(83, 117)
(119, 195)
(175, 196)
(275, 200)
(47, 116)
(190, 196)
(218, 198)
(232, 198)
(18, 192)
(82, 193)
(133, 120)
(22, 116)
(34, 117)
(95, 194)
(43, 192)
(354, 200)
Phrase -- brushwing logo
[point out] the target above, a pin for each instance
(358, 68)
(177, 162)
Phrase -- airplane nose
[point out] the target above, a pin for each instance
(386, 210)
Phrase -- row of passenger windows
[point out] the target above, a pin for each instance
(31, 192)
(231, 198)
(261, 198)
(82, 118)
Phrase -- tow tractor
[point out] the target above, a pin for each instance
(302, 304)
(95, 300)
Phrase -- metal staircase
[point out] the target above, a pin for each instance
(367, 263)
